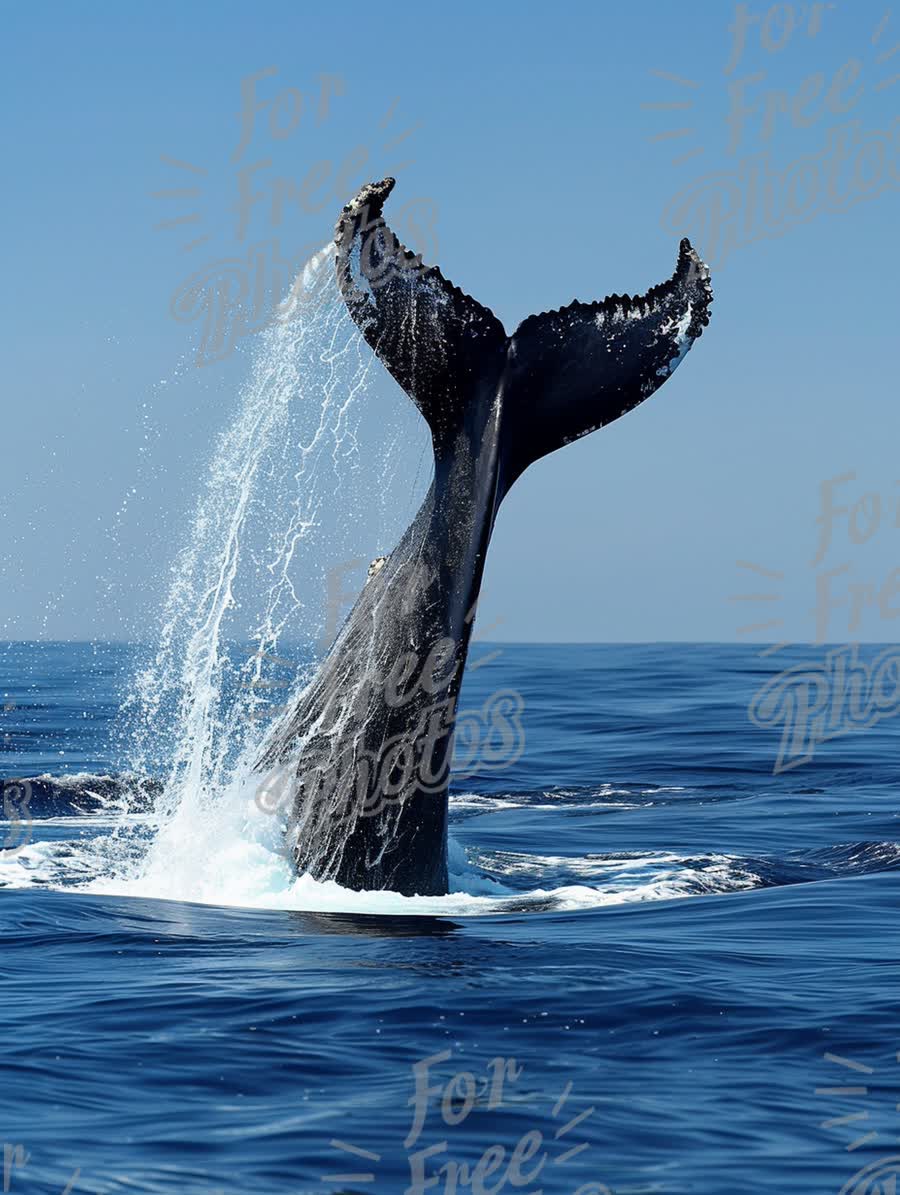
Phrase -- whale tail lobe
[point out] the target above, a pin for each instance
(563, 373)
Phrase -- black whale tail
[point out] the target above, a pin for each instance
(563, 373)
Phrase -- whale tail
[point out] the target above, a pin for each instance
(564, 373)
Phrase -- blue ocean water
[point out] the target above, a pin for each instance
(664, 967)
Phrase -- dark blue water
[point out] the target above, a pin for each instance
(693, 976)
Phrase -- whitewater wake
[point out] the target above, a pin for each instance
(232, 856)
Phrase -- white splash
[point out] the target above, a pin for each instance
(268, 505)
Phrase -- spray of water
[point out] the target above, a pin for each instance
(281, 480)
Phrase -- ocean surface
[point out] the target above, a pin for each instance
(664, 966)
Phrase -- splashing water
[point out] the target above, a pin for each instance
(268, 504)
(244, 488)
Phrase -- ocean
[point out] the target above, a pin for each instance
(666, 964)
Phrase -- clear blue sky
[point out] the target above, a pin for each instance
(550, 180)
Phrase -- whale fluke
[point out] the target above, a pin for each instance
(364, 752)
(565, 373)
